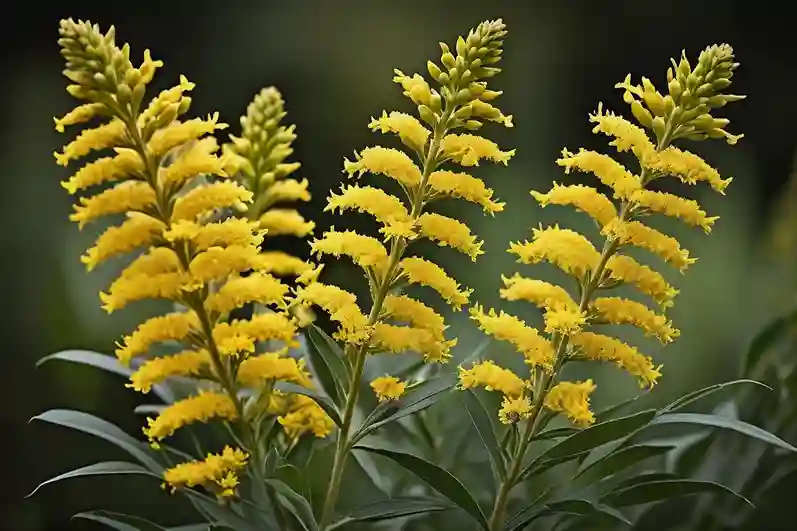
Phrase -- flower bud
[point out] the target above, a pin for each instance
(434, 70)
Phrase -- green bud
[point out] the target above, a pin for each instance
(448, 60)
(463, 113)
(670, 76)
(443, 47)
(463, 96)
(444, 79)
(476, 63)
(477, 89)
(489, 95)
(467, 76)
(677, 115)
(675, 89)
(166, 116)
(691, 81)
(704, 121)
(473, 53)
(427, 115)
(669, 105)
(436, 102)
(446, 92)
(454, 74)
(462, 48)
(473, 125)
(720, 84)
(654, 102)
(658, 126)
(704, 90)
(100, 79)
(124, 94)
(434, 70)
(132, 77)
(642, 115)
(138, 95)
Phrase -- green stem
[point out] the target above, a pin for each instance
(398, 246)
(610, 246)
(197, 305)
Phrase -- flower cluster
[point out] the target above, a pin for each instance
(396, 322)
(258, 157)
(165, 177)
(571, 319)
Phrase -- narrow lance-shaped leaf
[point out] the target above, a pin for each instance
(296, 504)
(579, 507)
(706, 391)
(106, 363)
(724, 423)
(77, 420)
(619, 460)
(391, 509)
(767, 337)
(326, 360)
(119, 521)
(665, 489)
(413, 402)
(105, 468)
(592, 437)
(484, 427)
(438, 478)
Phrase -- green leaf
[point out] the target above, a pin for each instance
(391, 509)
(706, 391)
(578, 507)
(653, 491)
(767, 337)
(592, 437)
(104, 468)
(80, 421)
(121, 522)
(609, 412)
(222, 514)
(436, 477)
(323, 402)
(295, 503)
(724, 423)
(646, 477)
(189, 527)
(413, 402)
(555, 433)
(106, 363)
(620, 460)
(484, 427)
(326, 360)
(538, 467)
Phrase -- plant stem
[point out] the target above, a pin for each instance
(610, 246)
(196, 304)
(360, 352)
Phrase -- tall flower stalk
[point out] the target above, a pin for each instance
(167, 180)
(461, 102)
(684, 113)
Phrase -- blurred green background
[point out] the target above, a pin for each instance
(333, 62)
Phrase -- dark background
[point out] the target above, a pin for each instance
(333, 61)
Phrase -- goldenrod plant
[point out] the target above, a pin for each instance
(462, 103)
(267, 422)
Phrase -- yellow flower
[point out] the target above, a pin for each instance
(174, 188)
(217, 472)
(493, 378)
(198, 408)
(388, 388)
(683, 113)
(572, 399)
(305, 416)
(514, 409)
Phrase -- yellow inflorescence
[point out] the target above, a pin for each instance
(436, 136)
(193, 255)
(685, 112)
